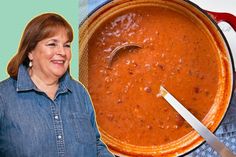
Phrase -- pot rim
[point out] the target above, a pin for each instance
(231, 63)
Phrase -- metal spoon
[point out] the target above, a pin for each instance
(210, 138)
(119, 48)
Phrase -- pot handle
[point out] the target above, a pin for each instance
(227, 17)
(230, 19)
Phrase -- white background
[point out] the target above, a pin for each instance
(217, 5)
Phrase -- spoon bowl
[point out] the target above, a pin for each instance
(119, 48)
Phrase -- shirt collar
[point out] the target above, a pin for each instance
(65, 82)
(24, 82)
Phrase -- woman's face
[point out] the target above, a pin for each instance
(51, 56)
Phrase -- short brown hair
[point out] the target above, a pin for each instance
(39, 28)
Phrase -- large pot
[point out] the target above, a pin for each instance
(224, 84)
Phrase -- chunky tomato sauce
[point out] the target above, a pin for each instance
(176, 53)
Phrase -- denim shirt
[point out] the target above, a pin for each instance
(33, 125)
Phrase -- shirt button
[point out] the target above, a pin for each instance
(56, 117)
(59, 137)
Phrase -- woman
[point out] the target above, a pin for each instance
(43, 111)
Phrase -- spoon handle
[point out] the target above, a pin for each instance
(210, 138)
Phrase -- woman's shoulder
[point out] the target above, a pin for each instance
(82, 93)
(77, 85)
(6, 85)
(6, 88)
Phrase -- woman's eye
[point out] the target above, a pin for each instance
(51, 44)
(67, 45)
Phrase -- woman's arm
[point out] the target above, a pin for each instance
(1, 107)
(102, 150)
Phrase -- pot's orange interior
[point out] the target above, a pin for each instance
(177, 52)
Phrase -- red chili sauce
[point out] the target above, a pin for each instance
(176, 53)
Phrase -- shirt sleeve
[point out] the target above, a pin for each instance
(102, 150)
